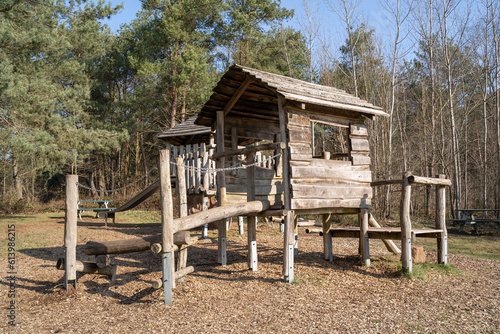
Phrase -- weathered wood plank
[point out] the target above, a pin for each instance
(330, 173)
(306, 150)
(261, 173)
(429, 180)
(252, 124)
(249, 149)
(359, 159)
(330, 192)
(300, 157)
(358, 130)
(304, 204)
(299, 136)
(360, 144)
(298, 119)
(261, 187)
(334, 164)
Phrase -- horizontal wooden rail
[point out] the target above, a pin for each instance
(429, 180)
(249, 149)
(385, 182)
(414, 180)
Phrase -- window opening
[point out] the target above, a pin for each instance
(330, 138)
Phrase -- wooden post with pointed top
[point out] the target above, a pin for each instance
(167, 218)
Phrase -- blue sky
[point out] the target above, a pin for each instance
(331, 30)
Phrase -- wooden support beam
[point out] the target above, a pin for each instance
(181, 186)
(385, 183)
(406, 223)
(327, 239)
(178, 275)
(389, 244)
(249, 149)
(230, 104)
(221, 189)
(272, 213)
(133, 245)
(204, 196)
(70, 229)
(363, 237)
(429, 180)
(442, 241)
(251, 220)
(89, 268)
(167, 232)
(288, 241)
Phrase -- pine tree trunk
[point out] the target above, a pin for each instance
(18, 186)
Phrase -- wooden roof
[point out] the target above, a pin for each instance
(248, 92)
(187, 133)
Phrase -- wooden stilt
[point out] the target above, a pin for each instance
(241, 229)
(442, 241)
(183, 210)
(167, 218)
(406, 223)
(206, 186)
(70, 229)
(327, 239)
(288, 239)
(251, 220)
(295, 236)
(363, 237)
(221, 190)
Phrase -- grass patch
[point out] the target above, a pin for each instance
(482, 246)
(297, 281)
(422, 271)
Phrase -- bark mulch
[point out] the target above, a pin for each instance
(325, 297)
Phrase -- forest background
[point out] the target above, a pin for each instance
(77, 97)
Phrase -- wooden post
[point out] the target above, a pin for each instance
(406, 223)
(327, 238)
(181, 186)
(240, 225)
(442, 242)
(251, 220)
(234, 146)
(288, 241)
(70, 229)
(296, 235)
(206, 186)
(278, 164)
(167, 218)
(363, 237)
(221, 190)
(197, 164)
(183, 211)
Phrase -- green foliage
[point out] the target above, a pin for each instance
(48, 53)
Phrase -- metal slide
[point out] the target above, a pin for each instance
(139, 198)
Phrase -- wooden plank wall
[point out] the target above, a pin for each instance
(267, 186)
(320, 183)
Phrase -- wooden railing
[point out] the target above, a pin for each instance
(406, 182)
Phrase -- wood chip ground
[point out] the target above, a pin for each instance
(338, 297)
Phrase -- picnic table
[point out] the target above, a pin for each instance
(102, 208)
(468, 216)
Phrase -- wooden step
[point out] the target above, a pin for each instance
(390, 233)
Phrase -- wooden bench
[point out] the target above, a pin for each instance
(468, 218)
(101, 212)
